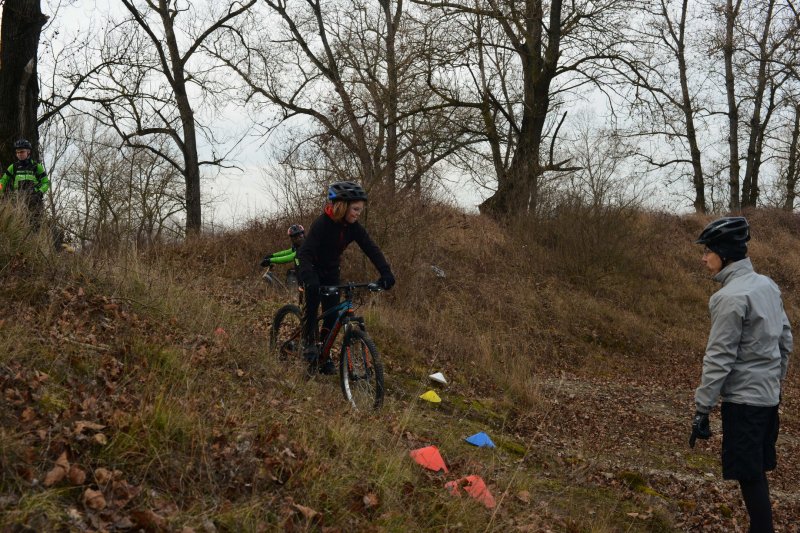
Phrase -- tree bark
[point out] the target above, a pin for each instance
(691, 133)
(19, 81)
(194, 219)
(390, 172)
(793, 165)
(518, 188)
(750, 190)
(731, 12)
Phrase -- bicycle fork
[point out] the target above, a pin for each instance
(361, 354)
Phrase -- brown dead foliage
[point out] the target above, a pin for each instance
(614, 363)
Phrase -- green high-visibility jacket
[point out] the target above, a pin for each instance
(27, 174)
(284, 256)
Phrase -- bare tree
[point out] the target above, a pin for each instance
(758, 36)
(147, 93)
(110, 195)
(517, 64)
(668, 112)
(600, 153)
(20, 32)
(346, 79)
(793, 158)
(731, 13)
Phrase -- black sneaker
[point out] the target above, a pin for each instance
(327, 367)
(310, 354)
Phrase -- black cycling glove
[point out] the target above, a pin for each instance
(386, 281)
(700, 428)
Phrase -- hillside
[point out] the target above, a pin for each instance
(138, 393)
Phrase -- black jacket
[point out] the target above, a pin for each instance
(325, 242)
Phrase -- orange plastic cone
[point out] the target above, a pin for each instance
(430, 458)
(475, 487)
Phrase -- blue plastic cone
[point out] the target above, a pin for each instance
(481, 440)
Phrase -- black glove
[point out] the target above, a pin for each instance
(265, 262)
(387, 281)
(700, 428)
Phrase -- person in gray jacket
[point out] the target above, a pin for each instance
(745, 365)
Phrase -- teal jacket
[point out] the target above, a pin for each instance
(27, 174)
(748, 349)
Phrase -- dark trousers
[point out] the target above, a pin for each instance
(35, 203)
(310, 313)
(755, 493)
(749, 434)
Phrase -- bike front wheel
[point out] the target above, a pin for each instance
(361, 371)
(285, 333)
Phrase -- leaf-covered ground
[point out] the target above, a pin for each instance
(147, 401)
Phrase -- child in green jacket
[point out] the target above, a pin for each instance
(297, 234)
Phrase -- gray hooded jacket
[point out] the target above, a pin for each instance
(750, 341)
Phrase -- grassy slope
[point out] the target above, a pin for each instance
(576, 344)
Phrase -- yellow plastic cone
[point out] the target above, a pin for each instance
(431, 396)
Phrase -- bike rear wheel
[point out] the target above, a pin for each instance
(285, 333)
(361, 371)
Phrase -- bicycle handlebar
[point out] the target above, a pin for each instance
(330, 290)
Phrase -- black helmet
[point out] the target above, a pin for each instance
(728, 230)
(295, 229)
(23, 144)
(346, 191)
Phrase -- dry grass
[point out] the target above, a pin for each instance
(167, 351)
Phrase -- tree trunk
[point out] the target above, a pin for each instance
(391, 92)
(194, 219)
(793, 166)
(731, 13)
(750, 184)
(19, 81)
(518, 188)
(691, 134)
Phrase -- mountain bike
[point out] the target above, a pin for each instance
(360, 365)
(274, 281)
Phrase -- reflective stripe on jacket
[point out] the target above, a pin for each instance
(748, 349)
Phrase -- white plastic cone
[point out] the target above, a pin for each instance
(439, 378)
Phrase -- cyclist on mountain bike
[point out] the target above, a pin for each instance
(297, 234)
(320, 257)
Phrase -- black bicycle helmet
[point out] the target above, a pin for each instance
(346, 191)
(733, 230)
(23, 144)
(295, 229)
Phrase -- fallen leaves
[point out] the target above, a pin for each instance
(102, 476)
(82, 425)
(27, 415)
(94, 499)
(307, 512)
(370, 500)
(149, 520)
(58, 472)
(76, 475)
